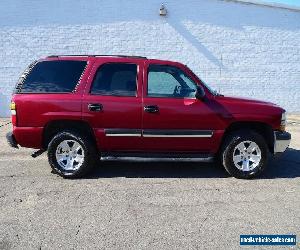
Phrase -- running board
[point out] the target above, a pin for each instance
(156, 157)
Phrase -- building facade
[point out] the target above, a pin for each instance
(242, 49)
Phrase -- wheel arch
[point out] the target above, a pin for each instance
(56, 126)
(264, 129)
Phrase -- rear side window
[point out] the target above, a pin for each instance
(117, 79)
(52, 77)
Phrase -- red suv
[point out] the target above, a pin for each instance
(85, 108)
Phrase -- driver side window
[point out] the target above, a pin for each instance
(169, 81)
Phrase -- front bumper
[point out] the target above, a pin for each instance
(11, 140)
(281, 141)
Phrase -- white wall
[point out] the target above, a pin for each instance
(241, 49)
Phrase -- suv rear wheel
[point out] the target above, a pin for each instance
(71, 155)
(244, 154)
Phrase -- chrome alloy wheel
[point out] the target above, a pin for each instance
(69, 155)
(246, 156)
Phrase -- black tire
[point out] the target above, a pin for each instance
(89, 151)
(228, 150)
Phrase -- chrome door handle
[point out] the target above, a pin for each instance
(151, 109)
(96, 107)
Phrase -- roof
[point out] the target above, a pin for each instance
(122, 56)
(117, 57)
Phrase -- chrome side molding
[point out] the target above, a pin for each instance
(123, 132)
(161, 133)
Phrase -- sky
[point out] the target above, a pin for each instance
(288, 2)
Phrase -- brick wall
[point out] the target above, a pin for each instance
(239, 49)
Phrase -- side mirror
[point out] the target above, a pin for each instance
(200, 93)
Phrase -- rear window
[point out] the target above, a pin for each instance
(51, 76)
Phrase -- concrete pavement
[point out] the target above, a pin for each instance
(144, 205)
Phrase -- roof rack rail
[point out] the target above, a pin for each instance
(129, 56)
(67, 55)
(125, 56)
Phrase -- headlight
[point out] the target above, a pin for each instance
(283, 121)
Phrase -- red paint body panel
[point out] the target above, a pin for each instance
(215, 113)
(30, 137)
(252, 110)
(36, 110)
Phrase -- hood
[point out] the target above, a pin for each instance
(238, 105)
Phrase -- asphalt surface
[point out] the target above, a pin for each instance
(144, 205)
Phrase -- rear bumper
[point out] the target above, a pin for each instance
(281, 141)
(11, 140)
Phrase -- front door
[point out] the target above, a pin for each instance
(112, 104)
(173, 119)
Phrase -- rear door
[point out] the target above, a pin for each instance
(112, 104)
(173, 119)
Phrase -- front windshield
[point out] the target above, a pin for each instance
(212, 91)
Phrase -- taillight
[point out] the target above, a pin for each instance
(13, 110)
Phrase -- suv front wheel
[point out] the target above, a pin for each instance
(71, 155)
(244, 154)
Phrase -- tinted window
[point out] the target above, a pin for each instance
(53, 76)
(169, 81)
(115, 79)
